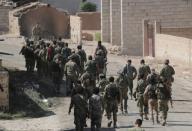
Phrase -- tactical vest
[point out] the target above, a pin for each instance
(152, 92)
(164, 93)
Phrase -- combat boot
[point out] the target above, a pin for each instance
(115, 125)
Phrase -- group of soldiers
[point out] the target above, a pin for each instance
(153, 92)
(92, 94)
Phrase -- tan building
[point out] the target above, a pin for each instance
(133, 24)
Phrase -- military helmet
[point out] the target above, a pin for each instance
(167, 61)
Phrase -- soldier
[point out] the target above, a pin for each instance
(77, 58)
(100, 63)
(130, 72)
(65, 52)
(96, 107)
(71, 71)
(101, 47)
(36, 32)
(163, 96)
(56, 74)
(153, 74)
(141, 85)
(83, 56)
(91, 68)
(112, 99)
(122, 83)
(43, 57)
(80, 105)
(167, 74)
(144, 69)
(86, 81)
(150, 94)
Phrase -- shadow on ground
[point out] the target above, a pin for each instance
(27, 94)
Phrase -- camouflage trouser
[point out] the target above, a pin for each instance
(130, 85)
(96, 122)
(143, 108)
(79, 121)
(163, 109)
(70, 82)
(124, 97)
(30, 64)
(153, 106)
(112, 107)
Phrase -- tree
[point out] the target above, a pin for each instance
(88, 7)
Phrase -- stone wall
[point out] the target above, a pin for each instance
(52, 21)
(4, 96)
(75, 29)
(90, 20)
(174, 48)
(4, 20)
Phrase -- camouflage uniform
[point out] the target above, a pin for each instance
(91, 68)
(80, 111)
(166, 74)
(144, 70)
(163, 96)
(100, 63)
(72, 73)
(122, 83)
(42, 55)
(86, 81)
(96, 111)
(83, 57)
(112, 98)
(130, 72)
(150, 93)
(141, 85)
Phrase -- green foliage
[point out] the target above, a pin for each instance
(88, 7)
(98, 36)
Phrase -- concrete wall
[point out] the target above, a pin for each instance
(173, 47)
(115, 22)
(72, 6)
(181, 32)
(170, 13)
(52, 21)
(4, 20)
(105, 20)
(90, 20)
(75, 29)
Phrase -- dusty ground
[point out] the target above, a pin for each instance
(180, 117)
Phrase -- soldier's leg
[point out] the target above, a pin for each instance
(140, 105)
(131, 88)
(165, 111)
(109, 111)
(125, 99)
(115, 110)
(150, 105)
(156, 110)
(93, 123)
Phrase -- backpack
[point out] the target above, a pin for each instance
(152, 92)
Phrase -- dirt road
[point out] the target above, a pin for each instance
(179, 118)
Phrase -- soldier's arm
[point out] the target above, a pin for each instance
(135, 73)
(173, 71)
(71, 105)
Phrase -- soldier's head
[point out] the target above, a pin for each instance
(142, 61)
(141, 76)
(111, 79)
(166, 62)
(99, 43)
(66, 44)
(101, 76)
(96, 91)
(138, 123)
(79, 47)
(90, 57)
(60, 38)
(129, 62)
